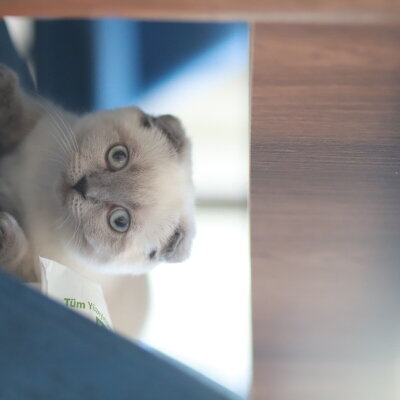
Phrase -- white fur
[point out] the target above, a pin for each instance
(58, 150)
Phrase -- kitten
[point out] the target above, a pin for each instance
(110, 190)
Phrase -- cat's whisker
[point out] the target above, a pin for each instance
(54, 157)
(78, 240)
(60, 138)
(68, 242)
(64, 221)
(75, 229)
(60, 220)
(72, 239)
(57, 161)
(68, 132)
(53, 154)
(63, 137)
(47, 182)
(68, 129)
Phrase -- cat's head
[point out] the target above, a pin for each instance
(126, 195)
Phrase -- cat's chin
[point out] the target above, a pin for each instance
(89, 265)
(64, 191)
(127, 269)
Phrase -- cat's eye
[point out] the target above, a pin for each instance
(117, 157)
(119, 220)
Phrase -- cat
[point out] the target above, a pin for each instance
(110, 190)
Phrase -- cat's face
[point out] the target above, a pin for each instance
(126, 195)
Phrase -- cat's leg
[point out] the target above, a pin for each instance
(18, 112)
(15, 255)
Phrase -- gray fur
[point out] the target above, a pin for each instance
(57, 190)
(172, 128)
(17, 114)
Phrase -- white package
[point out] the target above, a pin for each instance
(74, 291)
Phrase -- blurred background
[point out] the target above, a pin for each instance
(199, 311)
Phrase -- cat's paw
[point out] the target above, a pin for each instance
(8, 84)
(13, 243)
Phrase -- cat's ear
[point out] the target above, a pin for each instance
(173, 130)
(178, 246)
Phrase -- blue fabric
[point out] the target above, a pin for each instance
(50, 352)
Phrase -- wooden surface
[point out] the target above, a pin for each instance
(325, 212)
(209, 9)
(49, 352)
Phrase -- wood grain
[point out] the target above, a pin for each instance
(316, 10)
(325, 211)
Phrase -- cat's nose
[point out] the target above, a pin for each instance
(81, 186)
